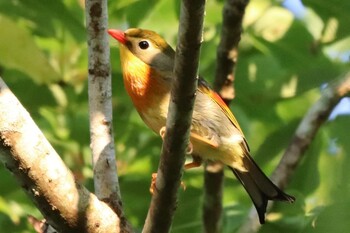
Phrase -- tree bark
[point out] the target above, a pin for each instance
(26, 153)
(100, 102)
(227, 52)
(179, 118)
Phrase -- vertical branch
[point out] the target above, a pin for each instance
(213, 192)
(179, 118)
(227, 53)
(303, 137)
(100, 102)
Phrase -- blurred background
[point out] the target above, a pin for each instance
(289, 52)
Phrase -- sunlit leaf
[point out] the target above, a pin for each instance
(19, 51)
(274, 23)
(338, 9)
(54, 17)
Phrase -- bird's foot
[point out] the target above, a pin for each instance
(196, 162)
(153, 183)
(162, 132)
(153, 187)
(189, 149)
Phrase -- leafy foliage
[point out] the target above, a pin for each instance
(284, 61)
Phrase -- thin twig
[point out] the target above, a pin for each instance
(227, 54)
(303, 137)
(179, 118)
(100, 102)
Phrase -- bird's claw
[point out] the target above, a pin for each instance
(196, 162)
(162, 132)
(189, 149)
(153, 183)
(153, 187)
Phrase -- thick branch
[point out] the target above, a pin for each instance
(100, 101)
(226, 54)
(304, 135)
(179, 118)
(25, 152)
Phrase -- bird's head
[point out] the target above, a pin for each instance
(147, 46)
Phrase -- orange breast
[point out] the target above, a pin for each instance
(144, 85)
(148, 90)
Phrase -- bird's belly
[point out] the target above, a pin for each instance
(230, 151)
(150, 94)
(155, 113)
(153, 120)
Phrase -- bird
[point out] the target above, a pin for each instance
(147, 63)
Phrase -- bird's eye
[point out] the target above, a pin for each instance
(144, 44)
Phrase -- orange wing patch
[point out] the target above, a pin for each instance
(204, 88)
(204, 140)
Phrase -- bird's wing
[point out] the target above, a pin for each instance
(205, 89)
(210, 142)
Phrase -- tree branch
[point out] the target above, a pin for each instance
(304, 135)
(25, 152)
(227, 51)
(226, 58)
(100, 102)
(212, 201)
(179, 118)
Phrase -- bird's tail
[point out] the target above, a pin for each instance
(259, 187)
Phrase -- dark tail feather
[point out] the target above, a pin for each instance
(259, 187)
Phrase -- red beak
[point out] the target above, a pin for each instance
(117, 34)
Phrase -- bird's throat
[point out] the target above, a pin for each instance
(143, 84)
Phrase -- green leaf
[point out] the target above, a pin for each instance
(54, 17)
(19, 51)
(337, 9)
(339, 50)
(295, 55)
(274, 23)
(333, 218)
(163, 20)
